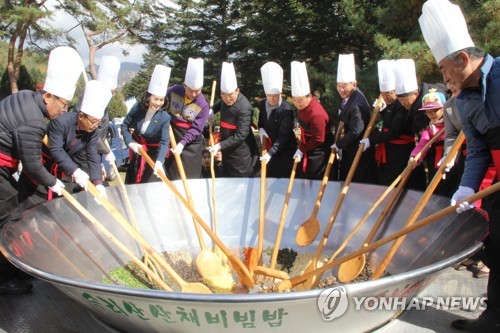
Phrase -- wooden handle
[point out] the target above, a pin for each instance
(281, 223)
(420, 205)
(238, 266)
(112, 238)
(284, 285)
(137, 236)
(124, 190)
(182, 174)
(347, 182)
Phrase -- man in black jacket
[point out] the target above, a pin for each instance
(22, 128)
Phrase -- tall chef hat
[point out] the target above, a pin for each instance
(386, 79)
(444, 28)
(194, 73)
(346, 71)
(95, 98)
(108, 71)
(406, 76)
(272, 77)
(300, 81)
(228, 83)
(158, 83)
(64, 68)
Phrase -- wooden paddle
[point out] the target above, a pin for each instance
(256, 257)
(149, 273)
(287, 284)
(420, 205)
(349, 270)
(281, 223)
(309, 230)
(185, 286)
(340, 199)
(238, 266)
(207, 263)
(147, 259)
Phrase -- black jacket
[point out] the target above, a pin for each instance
(72, 149)
(356, 115)
(22, 128)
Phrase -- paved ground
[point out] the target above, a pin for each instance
(47, 310)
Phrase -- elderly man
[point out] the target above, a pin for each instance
(22, 128)
(477, 76)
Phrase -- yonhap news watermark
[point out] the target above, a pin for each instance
(334, 302)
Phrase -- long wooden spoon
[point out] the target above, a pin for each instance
(340, 199)
(149, 273)
(256, 256)
(309, 230)
(281, 223)
(238, 266)
(147, 259)
(207, 263)
(349, 270)
(420, 205)
(194, 287)
(287, 284)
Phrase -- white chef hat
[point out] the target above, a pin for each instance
(272, 77)
(300, 81)
(386, 80)
(228, 83)
(95, 98)
(158, 83)
(346, 70)
(444, 28)
(194, 73)
(64, 68)
(406, 76)
(108, 71)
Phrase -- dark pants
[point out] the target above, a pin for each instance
(492, 250)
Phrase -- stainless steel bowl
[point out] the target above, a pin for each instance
(55, 243)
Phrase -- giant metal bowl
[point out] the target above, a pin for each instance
(55, 243)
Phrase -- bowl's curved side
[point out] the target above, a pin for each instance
(55, 243)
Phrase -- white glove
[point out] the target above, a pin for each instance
(366, 141)
(135, 147)
(81, 178)
(262, 133)
(265, 158)
(448, 166)
(57, 187)
(215, 148)
(461, 194)
(158, 166)
(298, 154)
(210, 113)
(334, 146)
(178, 149)
(381, 107)
(102, 191)
(110, 157)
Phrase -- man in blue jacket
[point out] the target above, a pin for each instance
(477, 76)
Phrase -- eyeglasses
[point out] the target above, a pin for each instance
(65, 105)
(93, 122)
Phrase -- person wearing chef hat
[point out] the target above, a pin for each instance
(22, 128)
(396, 140)
(315, 126)
(240, 153)
(109, 69)
(354, 112)
(477, 76)
(147, 125)
(276, 123)
(72, 153)
(189, 110)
